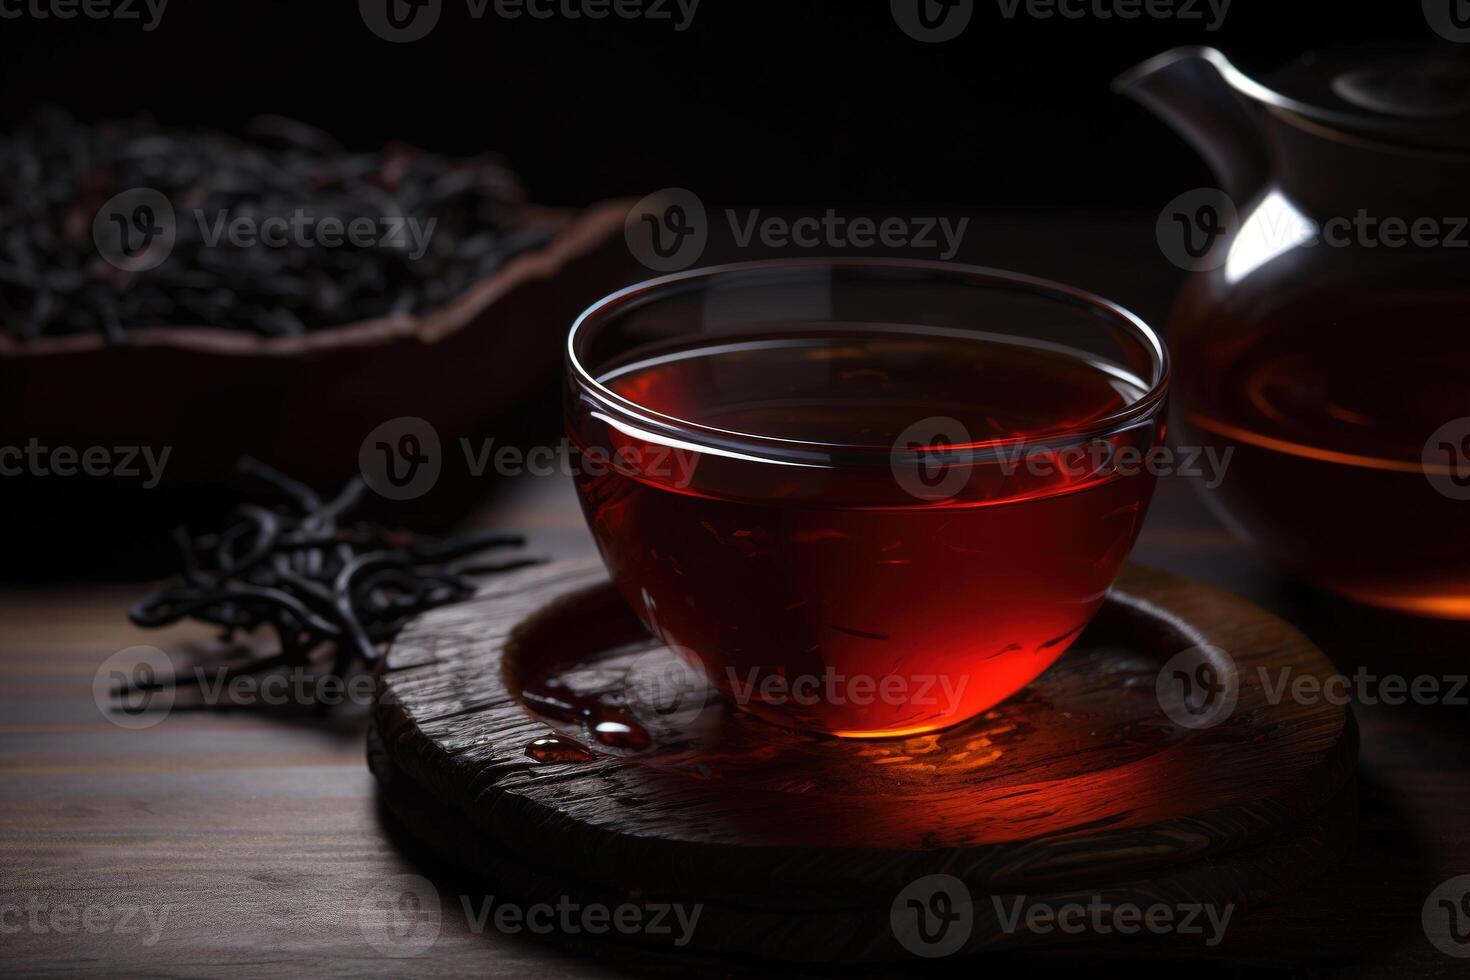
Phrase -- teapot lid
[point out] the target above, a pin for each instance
(1415, 96)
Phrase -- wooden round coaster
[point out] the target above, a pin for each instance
(1110, 778)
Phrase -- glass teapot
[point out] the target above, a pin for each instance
(1323, 336)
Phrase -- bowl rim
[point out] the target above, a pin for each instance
(688, 433)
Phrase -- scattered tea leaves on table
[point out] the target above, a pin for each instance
(330, 591)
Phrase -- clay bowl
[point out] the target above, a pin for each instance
(303, 404)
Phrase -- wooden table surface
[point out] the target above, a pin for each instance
(233, 843)
(254, 840)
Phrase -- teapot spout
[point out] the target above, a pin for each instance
(1209, 102)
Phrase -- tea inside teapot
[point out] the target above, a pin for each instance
(1322, 343)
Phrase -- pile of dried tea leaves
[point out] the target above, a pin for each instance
(122, 225)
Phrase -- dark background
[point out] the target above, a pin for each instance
(768, 102)
(788, 106)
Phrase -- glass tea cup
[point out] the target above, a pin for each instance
(866, 497)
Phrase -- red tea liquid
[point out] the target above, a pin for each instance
(831, 598)
(1327, 404)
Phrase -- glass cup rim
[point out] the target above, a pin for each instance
(688, 432)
